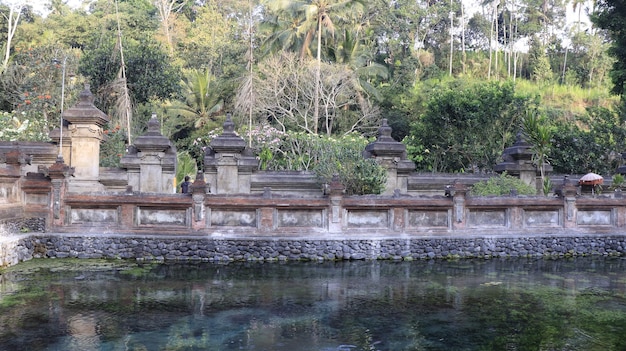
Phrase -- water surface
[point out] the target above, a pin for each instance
(513, 304)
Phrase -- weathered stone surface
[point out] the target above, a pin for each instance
(19, 248)
(151, 161)
(368, 219)
(594, 217)
(392, 155)
(487, 218)
(95, 216)
(427, 218)
(542, 218)
(235, 218)
(300, 218)
(151, 216)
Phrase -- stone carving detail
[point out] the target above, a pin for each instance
(460, 190)
(59, 172)
(336, 194)
(56, 196)
(198, 206)
(198, 191)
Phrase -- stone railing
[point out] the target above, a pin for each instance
(334, 215)
(266, 227)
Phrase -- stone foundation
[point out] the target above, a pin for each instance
(162, 248)
(15, 249)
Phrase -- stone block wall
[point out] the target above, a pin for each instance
(174, 248)
(15, 249)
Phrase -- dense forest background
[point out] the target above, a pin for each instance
(456, 80)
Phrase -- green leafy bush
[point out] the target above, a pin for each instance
(502, 185)
(113, 147)
(324, 155)
(186, 167)
(329, 156)
(23, 126)
(618, 181)
(465, 126)
(359, 176)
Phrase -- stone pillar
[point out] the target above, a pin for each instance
(10, 191)
(517, 162)
(85, 130)
(198, 195)
(458, 200)
(151, 161)
(336, 190)
(228, 164)
(63, 139)
(59, 174)
(132, 163)
(391, 154)
(568, 192)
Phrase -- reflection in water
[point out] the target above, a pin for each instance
(522, 304)
(82, 333)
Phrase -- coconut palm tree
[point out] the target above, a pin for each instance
(283, 33)
(312, 20)
(203, 101)
(355, 54)
(187, 166)
(539, 134)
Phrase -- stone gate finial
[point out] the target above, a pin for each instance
(390, 154)
(229, 126)
(384, 131)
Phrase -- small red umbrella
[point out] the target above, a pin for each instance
(591, 179)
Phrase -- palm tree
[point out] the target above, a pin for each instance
(312, 19)
(203, 100)
(187, 166)
(539, 134)
(283, 32)
(351, 51)
(577, 6)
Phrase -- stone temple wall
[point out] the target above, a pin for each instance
(175, 248)
(237, 212)
(15, 249)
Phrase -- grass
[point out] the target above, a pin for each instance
(569, 100)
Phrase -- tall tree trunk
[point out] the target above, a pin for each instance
(515, 53)
(463, 36)
(250, 64)
(511, 39)
(564, 66)
(166, 8)
(495, 18)
(490, 48)
(451, 36)
(125, 98)
(12, 20)
(318, 68)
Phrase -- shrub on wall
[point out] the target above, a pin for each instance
(23, 126)
(113, 147)
(186, 167)
(359, 176)
(502, 185)
(324, 155)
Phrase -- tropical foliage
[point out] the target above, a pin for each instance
(454, 81)
(503, 184)
(325, 156)
(186, 167)
(22, 126)
(114, 147)
(466, 125)
(538, 133)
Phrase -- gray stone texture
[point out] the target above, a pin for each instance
(157, 248)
